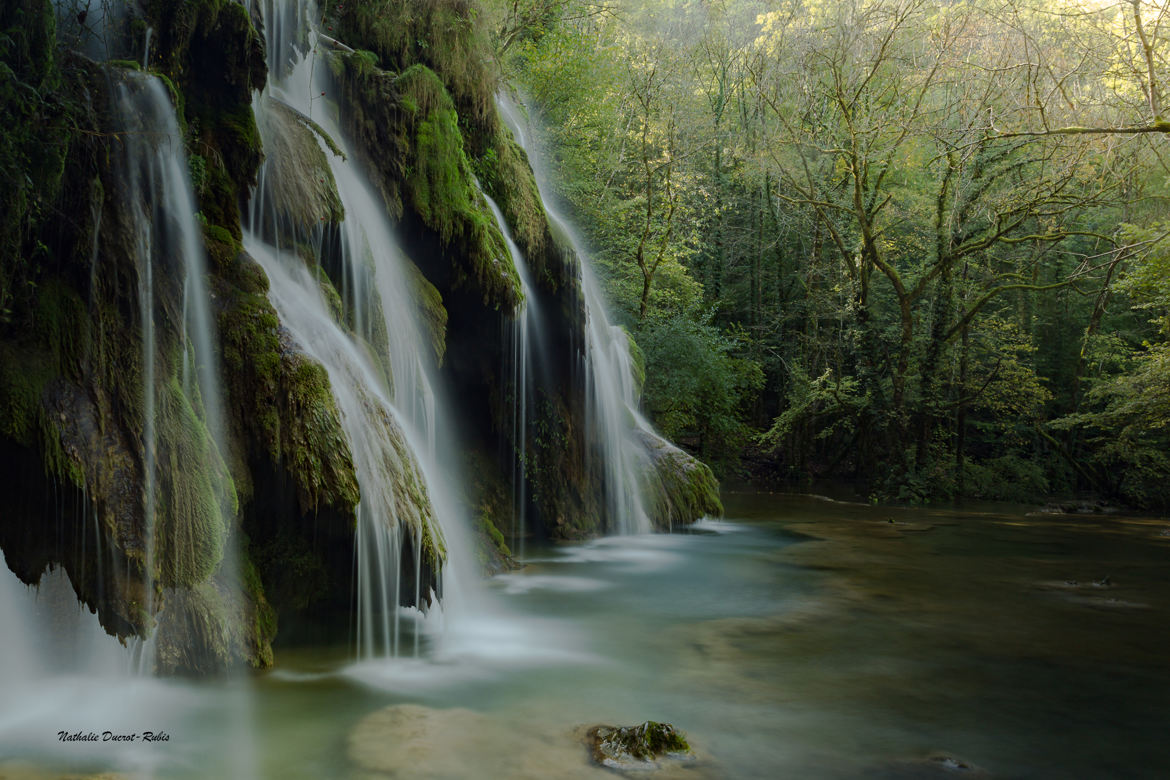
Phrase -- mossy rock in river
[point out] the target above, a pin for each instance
(636, 747)
(679, 489)
(221, 623)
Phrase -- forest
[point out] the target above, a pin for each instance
(917, 246)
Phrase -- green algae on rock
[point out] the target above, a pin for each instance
(636, 747)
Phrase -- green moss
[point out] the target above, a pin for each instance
(636, 747)
(62, 322)
(312, 442)
(219, 624)
(504, 171)
(239, 127)
(679, 488)
(23, 376)
(298, 578)
(176, 97)
(637, 364)
(332, 298)
(446, 35)
(265, 621)
(217, 233)
(430, 305)
(197, 500)
(299, 175)
(414, 117)
(213, 58)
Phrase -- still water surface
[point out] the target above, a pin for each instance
(799, 638)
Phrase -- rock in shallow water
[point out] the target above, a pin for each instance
(637, 747)
(411, 741)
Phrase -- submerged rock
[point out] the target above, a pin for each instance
(935, 765)
(637, 747)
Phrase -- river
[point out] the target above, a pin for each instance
(800, 637)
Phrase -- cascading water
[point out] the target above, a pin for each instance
(170, 243)
(60, 669)
(612, 415)
(403, 459)
(522, 353)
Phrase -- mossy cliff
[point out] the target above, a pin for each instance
(419, 89)
(73, 396)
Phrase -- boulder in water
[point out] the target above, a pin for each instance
(637, 747)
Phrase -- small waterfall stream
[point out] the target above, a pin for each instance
(612, 406)
(523, 352)
(170, 245)
(61, 669)
(406, 462)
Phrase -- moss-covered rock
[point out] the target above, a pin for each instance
(218, 624)
(564, 490)
(299, 182)
(214, 58)
(679, 489)
(408, 131)
(503, 169)
(432, 314)
(287, 413)
(494, 513)
(196, 498)
(445, 35)
(636, 747)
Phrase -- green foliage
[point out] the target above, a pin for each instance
(1147, 280)
(1127, 427)
(903, 246)
(820, 407)
(197, 168)
(1009, 477)
(196, 499)
(697, 386)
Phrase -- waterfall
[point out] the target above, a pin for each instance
(523, 351)
(377, 355)
(170, 246)
(616, 426)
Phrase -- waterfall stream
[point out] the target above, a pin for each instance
(406, 463)
(612, 415)
(170, 246)
(61, 669)
(523, 352)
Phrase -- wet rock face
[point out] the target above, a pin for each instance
(637, 747)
